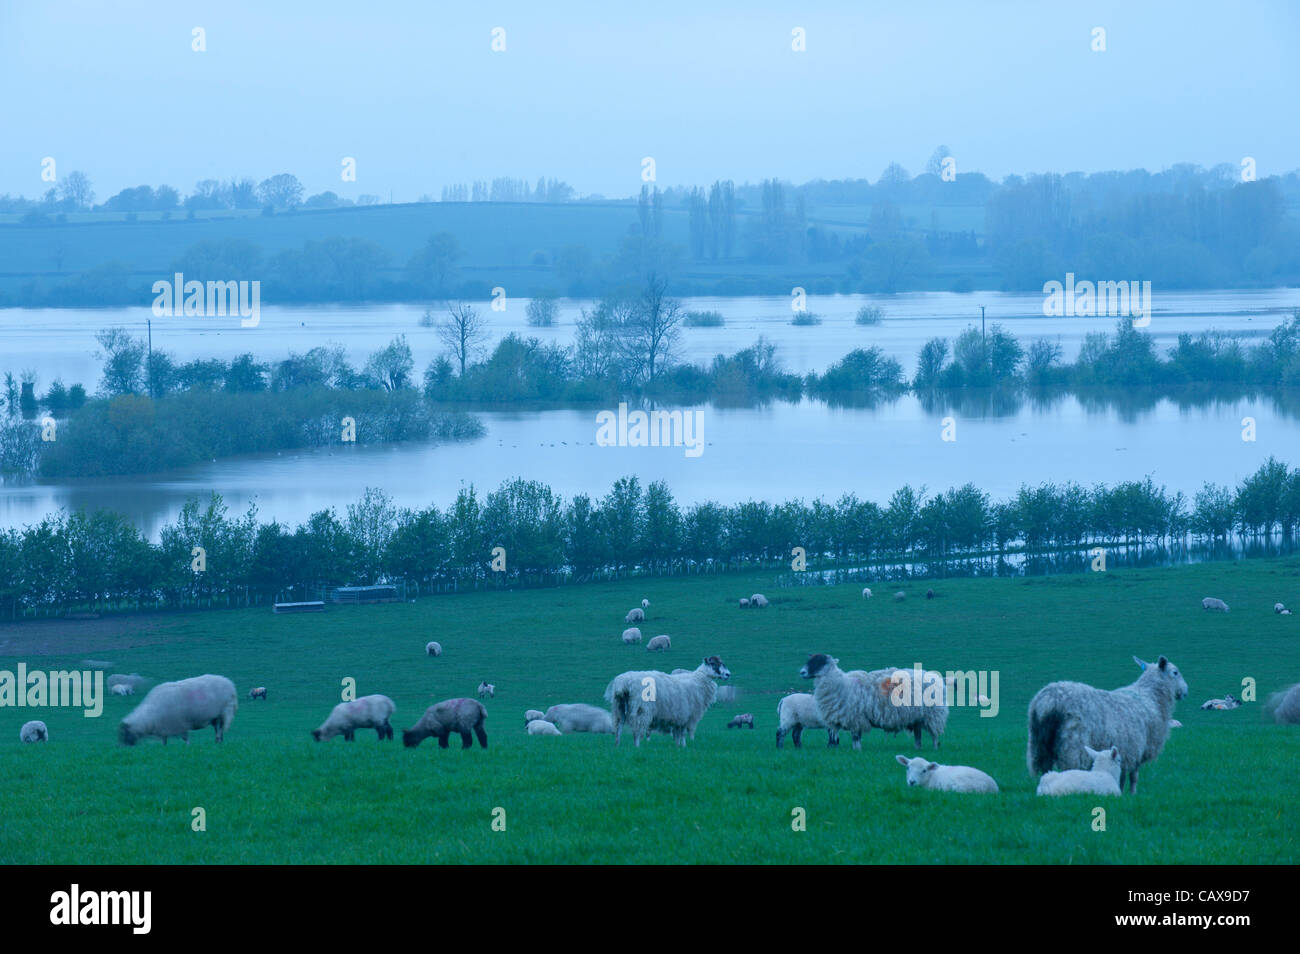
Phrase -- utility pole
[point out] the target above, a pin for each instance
(984, 345)
(148, 322)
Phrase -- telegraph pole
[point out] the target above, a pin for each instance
(148, 322)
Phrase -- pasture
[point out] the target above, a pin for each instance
(1223, 792)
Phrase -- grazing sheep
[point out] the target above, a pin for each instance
(929, 594)
(443, 718)
(532, 715)
(659, 644)
(796, 712)
(368, 712)
(34, 731)
(1227, 702)
(121, 689)
(742, 720)
(635, 616)
(258, 693)
(631, 635)
(744, 602)
(859, 701)
(487, 690)
(677, 705)
(580, 717)
(900, 596)
(645, 604)
(1067, 717)
(542, 727)
(1210, 603)
(1101, 779)
(433, 649)
(1278, 608)
(175, 708)
(758, 601)
(866, 592)
(946, 778)
(1284, 707)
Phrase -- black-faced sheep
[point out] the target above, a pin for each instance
(866, 592)
(645, 604)
(433, 649)
(650, 700)
(859, 701)
(176, 708)
(1227, 702)
(368, 712)
(796, 712)
(580, 717)
(486, 690)
(441, 719)
(34, 731)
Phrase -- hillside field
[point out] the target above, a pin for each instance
(1223, 792)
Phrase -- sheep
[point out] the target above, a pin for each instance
(531, 715)
(134, 680)
(946, 778)
(900, 596)
(487, 690)
(1101, 779)
(866, 592)
(443, 718)
(541, 727)
(1227, 702)
(929, 594)
(258, 693)
(1285, 612)
(1278, 608)
(174, 708)
(368, 712)
(796, 712)
(1284, 707)
(676, 703)
(122, 690)
(1066, 717)
(645, 604)
(659, 644)
(1210, 603)
(433, 649)
(635, 616)
(758, 601)
(883, 698)
(631, 635)
(580, 717)
(744, 602)
(34, 731)
(742, 720)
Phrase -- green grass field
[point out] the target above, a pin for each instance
(1223, 792)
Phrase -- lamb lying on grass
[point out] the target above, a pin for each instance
(542, 727)
(1227, 702)
(946, 778)
(579, 717)
(1102, 779)
(121, 689)
(532, 715)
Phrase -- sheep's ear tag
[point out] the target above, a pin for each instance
(1141, 664)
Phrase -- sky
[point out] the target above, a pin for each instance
(415, 93)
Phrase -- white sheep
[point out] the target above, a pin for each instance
(1212, 603)
(636, 615)
(645, 604)
(631, 635)
(744, 602)
(650, 700)
(866, 592)
(176, 708)
(433, 649)
(758, 601)
(1227, 702)
(1278, 608)
(1285, 612)
(883, 698)
(796, 712)
(542, 727)
(533, 715)
(946, 778)
(1102, 779)
(122, 690)
(659, 644)
(580, 717)
(487, 690)
(1284, 707)
(34, 731)
(368, 712)
(900, 596)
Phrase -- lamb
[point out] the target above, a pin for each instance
(1284, 707)
(1286, 612)
(433, 649)
(1227, 702)
(1278, 608)
(744, 602)
(580, 717)
(1067, 717)
(635, 616)
(631, 635)
(866, 592)
(946, 778)
(175, 708)
(645, 604)
(443, 718)
(659, 644)
(34, 731)
(742, 720)
(883, 698)
(758, 601)
(258, 693)
(1102, 779)
(796, 712)
(487, 690)
(1210, 603)
(677, 703)
(122, 690)
(532, 715)
(368, 712)
(541, 727)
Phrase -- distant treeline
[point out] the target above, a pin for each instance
(100, 560)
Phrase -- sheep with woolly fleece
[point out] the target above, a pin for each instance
(866, 592)
(631, 635)
(1278, 608)
(744, 602)
(1212, 603)
(676, 703)
(859, 701)
(433, 648)
(1284, 707)
(122, 690)
(542, 727)
(900, 596)
(636, 615)
(796, 712)
(462, 716)
(1101, 779)
(258, 693)
(1285, 612)
(645, 604)
(34, 731)
(580, 717)
(176, 708)
(487, 690)
(758, 601)
(368, 712)
(1227, 702)
(659, 644)
(532, 715)
(1065, 718)
(922, 773)
(742, 720)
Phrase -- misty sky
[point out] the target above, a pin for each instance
(414, 92)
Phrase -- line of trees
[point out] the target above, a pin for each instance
(100, 560)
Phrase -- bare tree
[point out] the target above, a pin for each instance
(76, 190)
(463, 332)
(652, 331)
